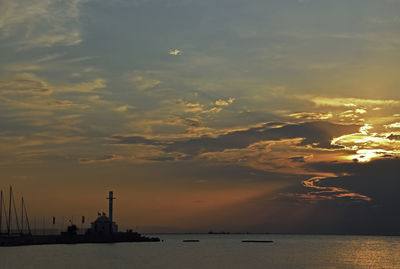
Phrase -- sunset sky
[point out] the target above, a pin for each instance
(227, 115)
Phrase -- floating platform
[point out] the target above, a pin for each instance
(190, 240)
(257, 241)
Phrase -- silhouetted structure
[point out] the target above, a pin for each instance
(103, 230)
(10, 215)
(104, 225)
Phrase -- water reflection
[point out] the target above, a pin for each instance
(215, 251)
(370, 253)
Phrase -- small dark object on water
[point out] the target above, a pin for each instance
(191, 240)
(257, 241)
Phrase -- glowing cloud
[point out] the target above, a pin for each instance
(312, 116)
(123, 108)
(393, 125)
(175, 52)
(328, 193)
(351, 102)
(367, 145)
(221, 102)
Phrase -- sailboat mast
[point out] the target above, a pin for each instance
(1, 208)
(22, 215)
(9, 213)
(27, 220)
(16, 215)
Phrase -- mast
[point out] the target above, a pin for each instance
(22, 215)
(9, 213)
(110, 205)
(1, 208)
(27, 219)
(16, 214)
(110, 209)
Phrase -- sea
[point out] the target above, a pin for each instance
(214, 251)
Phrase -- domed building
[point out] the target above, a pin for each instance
(104, 225)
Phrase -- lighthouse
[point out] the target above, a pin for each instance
(104, 225)
(110, 205)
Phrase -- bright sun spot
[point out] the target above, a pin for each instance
(367, 145)
(366, 155)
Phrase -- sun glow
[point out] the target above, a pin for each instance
(366, 155)
(368, 145)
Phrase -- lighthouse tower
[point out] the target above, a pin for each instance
(110, 205)
(104, 225)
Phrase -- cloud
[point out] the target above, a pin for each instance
(33, 65)
(315, 134)
(142, 81)
(327, 192)
(49, 57)
(103, 159)
(198, 108)
(300, 159)
(221, 102)
(368, 145)
(360, 199)
(85, 87)
(21, 68)
(25, 84)
(368, 178)
(139, 153)
(40, 23)
(27, 91)
(395, 125)
(38, 140)
(55, 37)
(351, 102)
(124, 108)
(268, 155)
(360, 111)
(175, 52)
(135, 140)
(394, 137)
(312, 115)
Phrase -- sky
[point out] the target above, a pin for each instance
(244, 116)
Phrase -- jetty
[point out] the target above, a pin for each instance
(102, 230)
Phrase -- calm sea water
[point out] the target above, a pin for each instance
(214, 251)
